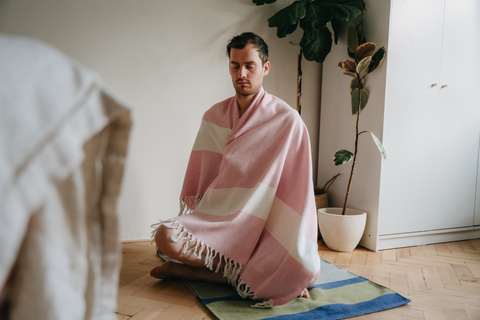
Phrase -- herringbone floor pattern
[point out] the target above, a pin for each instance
(442, 280)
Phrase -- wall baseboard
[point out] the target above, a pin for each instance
(401, 240)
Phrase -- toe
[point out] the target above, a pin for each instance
(304, 294)
(156, 272)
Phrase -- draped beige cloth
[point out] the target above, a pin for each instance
(63, 142)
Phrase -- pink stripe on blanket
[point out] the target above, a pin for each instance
(270, 267)
(223, 117)
(224, 235)
(202, 169)
(258, 170)
(293, 191)
(243, 153)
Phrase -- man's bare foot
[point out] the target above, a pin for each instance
(170, 269)
(304, 294)
(167, 270)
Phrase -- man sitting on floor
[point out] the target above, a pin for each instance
(248, 210)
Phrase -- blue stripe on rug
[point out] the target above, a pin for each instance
(234, 297)
(337, 284)
(342, 311)
(323, 286)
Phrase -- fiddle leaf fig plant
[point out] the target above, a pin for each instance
(365, 61)
(313, 16)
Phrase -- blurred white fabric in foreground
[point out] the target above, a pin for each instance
(63, 142)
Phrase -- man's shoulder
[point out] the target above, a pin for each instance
(221, 105)
(282, 109)
(282, 105)
(218, 113)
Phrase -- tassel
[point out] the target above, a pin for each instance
(219, 263)
(265, 304)
(201, 251)
(188, 204)
(167, 223)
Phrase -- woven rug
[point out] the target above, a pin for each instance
(337, 294)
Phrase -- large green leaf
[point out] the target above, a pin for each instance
(283, 31)
(355, 98)
(345, 10)
(352, 39)
(310, 22)
(336, 27)
(288, 16)
(317, 44)
(342, 156)
(321, 12)
(354, 83)
(379, 145)
(365, 50)
(377, 59)
(363, 65)
(313, 16)
(317, 16)
(261, 2)
(363, 96)
(349, 65)
(360, 33)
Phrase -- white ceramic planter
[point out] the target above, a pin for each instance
(341, 232)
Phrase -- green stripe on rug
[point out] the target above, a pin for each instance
(350, 294)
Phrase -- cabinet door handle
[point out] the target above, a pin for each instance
(444, 86)
(433, 85)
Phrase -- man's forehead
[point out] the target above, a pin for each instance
(249, 53)
(246, 62)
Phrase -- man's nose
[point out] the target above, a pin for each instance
(242, 72)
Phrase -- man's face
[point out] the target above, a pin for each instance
(246, 70)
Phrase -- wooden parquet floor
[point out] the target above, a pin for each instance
(442, 280)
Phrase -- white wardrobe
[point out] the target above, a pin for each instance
(425, 107)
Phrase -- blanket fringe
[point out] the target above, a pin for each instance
(167, 223)
(245, 292)
(188, 204)
(265, 304)
(232, 269)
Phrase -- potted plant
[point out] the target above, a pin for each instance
(342, 228)
(313, 17)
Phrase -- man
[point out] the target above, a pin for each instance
(248, 193)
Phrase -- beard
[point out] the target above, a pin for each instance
(247, 89)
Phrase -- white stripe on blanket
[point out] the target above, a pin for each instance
(288, 228)
(215, 140)
(222, 202)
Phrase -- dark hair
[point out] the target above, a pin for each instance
(239, 42)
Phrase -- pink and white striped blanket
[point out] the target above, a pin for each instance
(249, 197)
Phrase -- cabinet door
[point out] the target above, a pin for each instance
(458, 122)
(413, 65)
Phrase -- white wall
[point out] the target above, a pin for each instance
(167, 58)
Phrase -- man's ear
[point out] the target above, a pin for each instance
(266, 68)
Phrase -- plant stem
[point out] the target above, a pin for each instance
(354, 155)
(299, 82)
